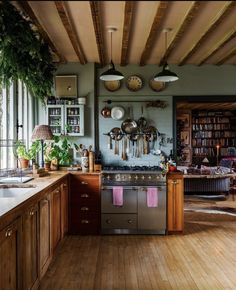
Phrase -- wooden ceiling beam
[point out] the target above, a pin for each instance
(24, 5)
(70, 31)
(228, 38)
(226, 57)
(155, 31)
(221, 16)
(129, 10)
(180, 33)
(97, 24)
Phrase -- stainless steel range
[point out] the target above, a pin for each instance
(134, 216)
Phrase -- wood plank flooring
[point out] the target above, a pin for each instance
(204, 257)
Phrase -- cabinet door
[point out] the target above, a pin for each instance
(56, 217)
(30, 248)
(74, 120)
(10, 257)
(175, 205)
(55, 119)
(44, 233)
(64, 207)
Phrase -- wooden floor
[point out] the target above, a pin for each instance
(204, 257)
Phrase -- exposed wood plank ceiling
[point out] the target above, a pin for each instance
(203, 32)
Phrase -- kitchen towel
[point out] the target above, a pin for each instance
(117, 195)
(152, 197)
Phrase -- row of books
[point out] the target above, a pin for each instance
(205, 120)
(224, 126)
(214, 134)
(213, 142)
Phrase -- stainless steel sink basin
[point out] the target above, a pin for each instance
(13, 191)
(16, 179)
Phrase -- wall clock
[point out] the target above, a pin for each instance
(134, 83)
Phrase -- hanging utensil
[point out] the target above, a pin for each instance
(129, 125)
(142, 122)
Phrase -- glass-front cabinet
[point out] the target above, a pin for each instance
(66, 119)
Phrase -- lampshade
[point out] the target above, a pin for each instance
(111, 74)
(42, 132)
(166, 75)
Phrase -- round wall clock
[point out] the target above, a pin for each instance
(134, 83)
(156, 86)
(112, 86)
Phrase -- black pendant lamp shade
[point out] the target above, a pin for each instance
(166, 75)
(111, 74)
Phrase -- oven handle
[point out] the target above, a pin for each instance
(124, 187)
(143, 188)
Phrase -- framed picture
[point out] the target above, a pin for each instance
(184, 135)
(185, 120)
(66, 86)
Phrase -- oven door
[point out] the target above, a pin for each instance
(152, 220)
(119, 219)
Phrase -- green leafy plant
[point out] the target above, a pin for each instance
(60, 150)
(23, 53)
(29, 154)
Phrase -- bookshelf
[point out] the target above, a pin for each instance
(209, 129)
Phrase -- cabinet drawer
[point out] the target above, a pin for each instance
(86, 225)
(129, 202)
(77, 209)
(84, 196)
(119, 221)
(85, 183)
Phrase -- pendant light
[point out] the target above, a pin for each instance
(111, 74)
(166, 75)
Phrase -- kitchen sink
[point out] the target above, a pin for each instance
(13, 191)
(13, 179)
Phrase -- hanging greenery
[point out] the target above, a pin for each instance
(23, 53)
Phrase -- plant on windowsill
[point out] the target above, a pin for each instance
(23, 53)
(25, 155)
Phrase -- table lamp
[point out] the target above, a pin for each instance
(42, 133)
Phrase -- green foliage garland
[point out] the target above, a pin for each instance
(23, 53)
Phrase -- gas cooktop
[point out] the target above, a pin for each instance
(109, 168)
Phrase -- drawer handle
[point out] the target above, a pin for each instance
(31, 212)
(84, 208)
(84, 222)
(108, 221)
(84, 195)
(64, 185)
(8, 232)
(130, 221)
(84, 182)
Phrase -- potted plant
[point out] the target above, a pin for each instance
(58, 152)
(25, 155)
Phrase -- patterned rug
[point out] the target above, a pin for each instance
(213, 204)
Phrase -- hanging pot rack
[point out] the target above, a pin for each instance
(149, 103)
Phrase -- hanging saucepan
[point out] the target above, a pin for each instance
(106, 112)
(151, 133)
(116, 134)
(142, 122)
(129, 126)
(134, 135)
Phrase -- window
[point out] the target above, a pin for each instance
(17, 120)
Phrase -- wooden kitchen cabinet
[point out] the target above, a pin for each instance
(56, 217)
(30, 247)
(44, 233)
(10, 256)
(64, 206)
(175, 202)
(85, 204)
